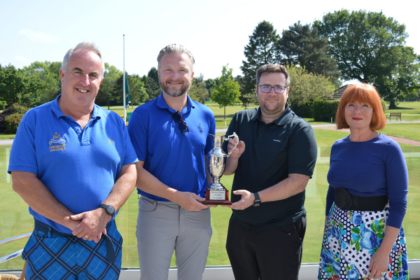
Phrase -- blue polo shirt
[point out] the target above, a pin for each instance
(176, 159)
(78, 166)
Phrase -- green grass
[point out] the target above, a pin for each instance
(410, 111)
(15, 218)
(405, 130)
(7, 136)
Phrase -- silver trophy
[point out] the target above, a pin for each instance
(216, 193)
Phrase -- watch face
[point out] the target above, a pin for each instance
(109, 209)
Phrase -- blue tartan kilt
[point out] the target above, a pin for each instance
(350, 240)
(51, 256)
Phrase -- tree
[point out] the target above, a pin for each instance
(137, 91)
(403, 82)
(153, 74)
(301, 45)
(107, 94)
(198, 91)
(49, 72)
(152, 87)
(305, 87)
(16, 87)
(367, 46)
(226, 93)
(259, 51)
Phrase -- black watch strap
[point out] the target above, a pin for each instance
(109, 209)
(257, 201)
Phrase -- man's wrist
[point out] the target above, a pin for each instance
(109, 209)
(257, 200)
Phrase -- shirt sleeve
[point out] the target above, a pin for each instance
(23, 153)
(397, 183)
(212, 130)
(137, 130)
(130, 154)
(302, 151)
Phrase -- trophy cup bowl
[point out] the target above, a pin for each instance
(216, 193)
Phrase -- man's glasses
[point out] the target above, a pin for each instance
(182, 127)
(277, 89)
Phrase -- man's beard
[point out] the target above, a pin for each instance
(184, 88)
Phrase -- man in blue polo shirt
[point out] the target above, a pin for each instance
(170, 136)
(73, 164)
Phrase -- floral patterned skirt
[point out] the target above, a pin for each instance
(350, 240)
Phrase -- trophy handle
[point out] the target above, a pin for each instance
(234, 135)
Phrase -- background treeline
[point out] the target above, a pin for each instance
(342, 46)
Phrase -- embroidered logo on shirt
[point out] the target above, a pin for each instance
(57, 143)
(201, 129)
(110, 141)
(277, 140)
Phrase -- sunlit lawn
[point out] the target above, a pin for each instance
(405, 130)
(15, 218)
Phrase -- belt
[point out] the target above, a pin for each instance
(347, 201)
(111, 255)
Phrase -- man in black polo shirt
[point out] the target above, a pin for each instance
(268, 223)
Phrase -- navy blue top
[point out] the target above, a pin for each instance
(174, 158)
(371, 168)
(78, 166)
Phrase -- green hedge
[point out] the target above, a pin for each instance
(12, 122)
(303, 110)
(324, 110)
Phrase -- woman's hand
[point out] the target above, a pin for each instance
(378, 264)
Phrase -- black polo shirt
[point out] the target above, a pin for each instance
(272, 152)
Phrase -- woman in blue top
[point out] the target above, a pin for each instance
(367, 196)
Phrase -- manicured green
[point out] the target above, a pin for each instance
(405, 130)
(410, 110)
(7, 136)
(16, 220)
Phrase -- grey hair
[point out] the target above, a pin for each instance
(273, 68)
(174, 48)
(84, 46)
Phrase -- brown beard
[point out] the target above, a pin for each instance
(184, 88)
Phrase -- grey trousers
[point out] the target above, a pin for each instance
(163, 227)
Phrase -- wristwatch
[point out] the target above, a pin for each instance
(109, 209)
(257, 200)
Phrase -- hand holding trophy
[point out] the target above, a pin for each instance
(216, 193)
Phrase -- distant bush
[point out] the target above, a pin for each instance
(324, 110)
(12, 122)
(14, 109)
(3, 105)
(383, 105)
(302, 110)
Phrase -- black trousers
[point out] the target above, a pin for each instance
(270, 254)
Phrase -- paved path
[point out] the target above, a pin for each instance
(6, 142)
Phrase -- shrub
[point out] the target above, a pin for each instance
(14, 109)
(12, 122)
(3, 105)
(324, 110)
(383, 105)
(303, 110)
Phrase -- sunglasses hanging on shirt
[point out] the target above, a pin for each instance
(182, 127)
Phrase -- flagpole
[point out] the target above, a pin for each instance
(125, 113)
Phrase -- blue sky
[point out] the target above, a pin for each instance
(215, 31)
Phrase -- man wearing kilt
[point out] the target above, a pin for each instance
(72, 162)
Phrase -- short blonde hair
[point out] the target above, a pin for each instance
(174, 48)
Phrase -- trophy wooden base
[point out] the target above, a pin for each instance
(217, 197)
(217, 202)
